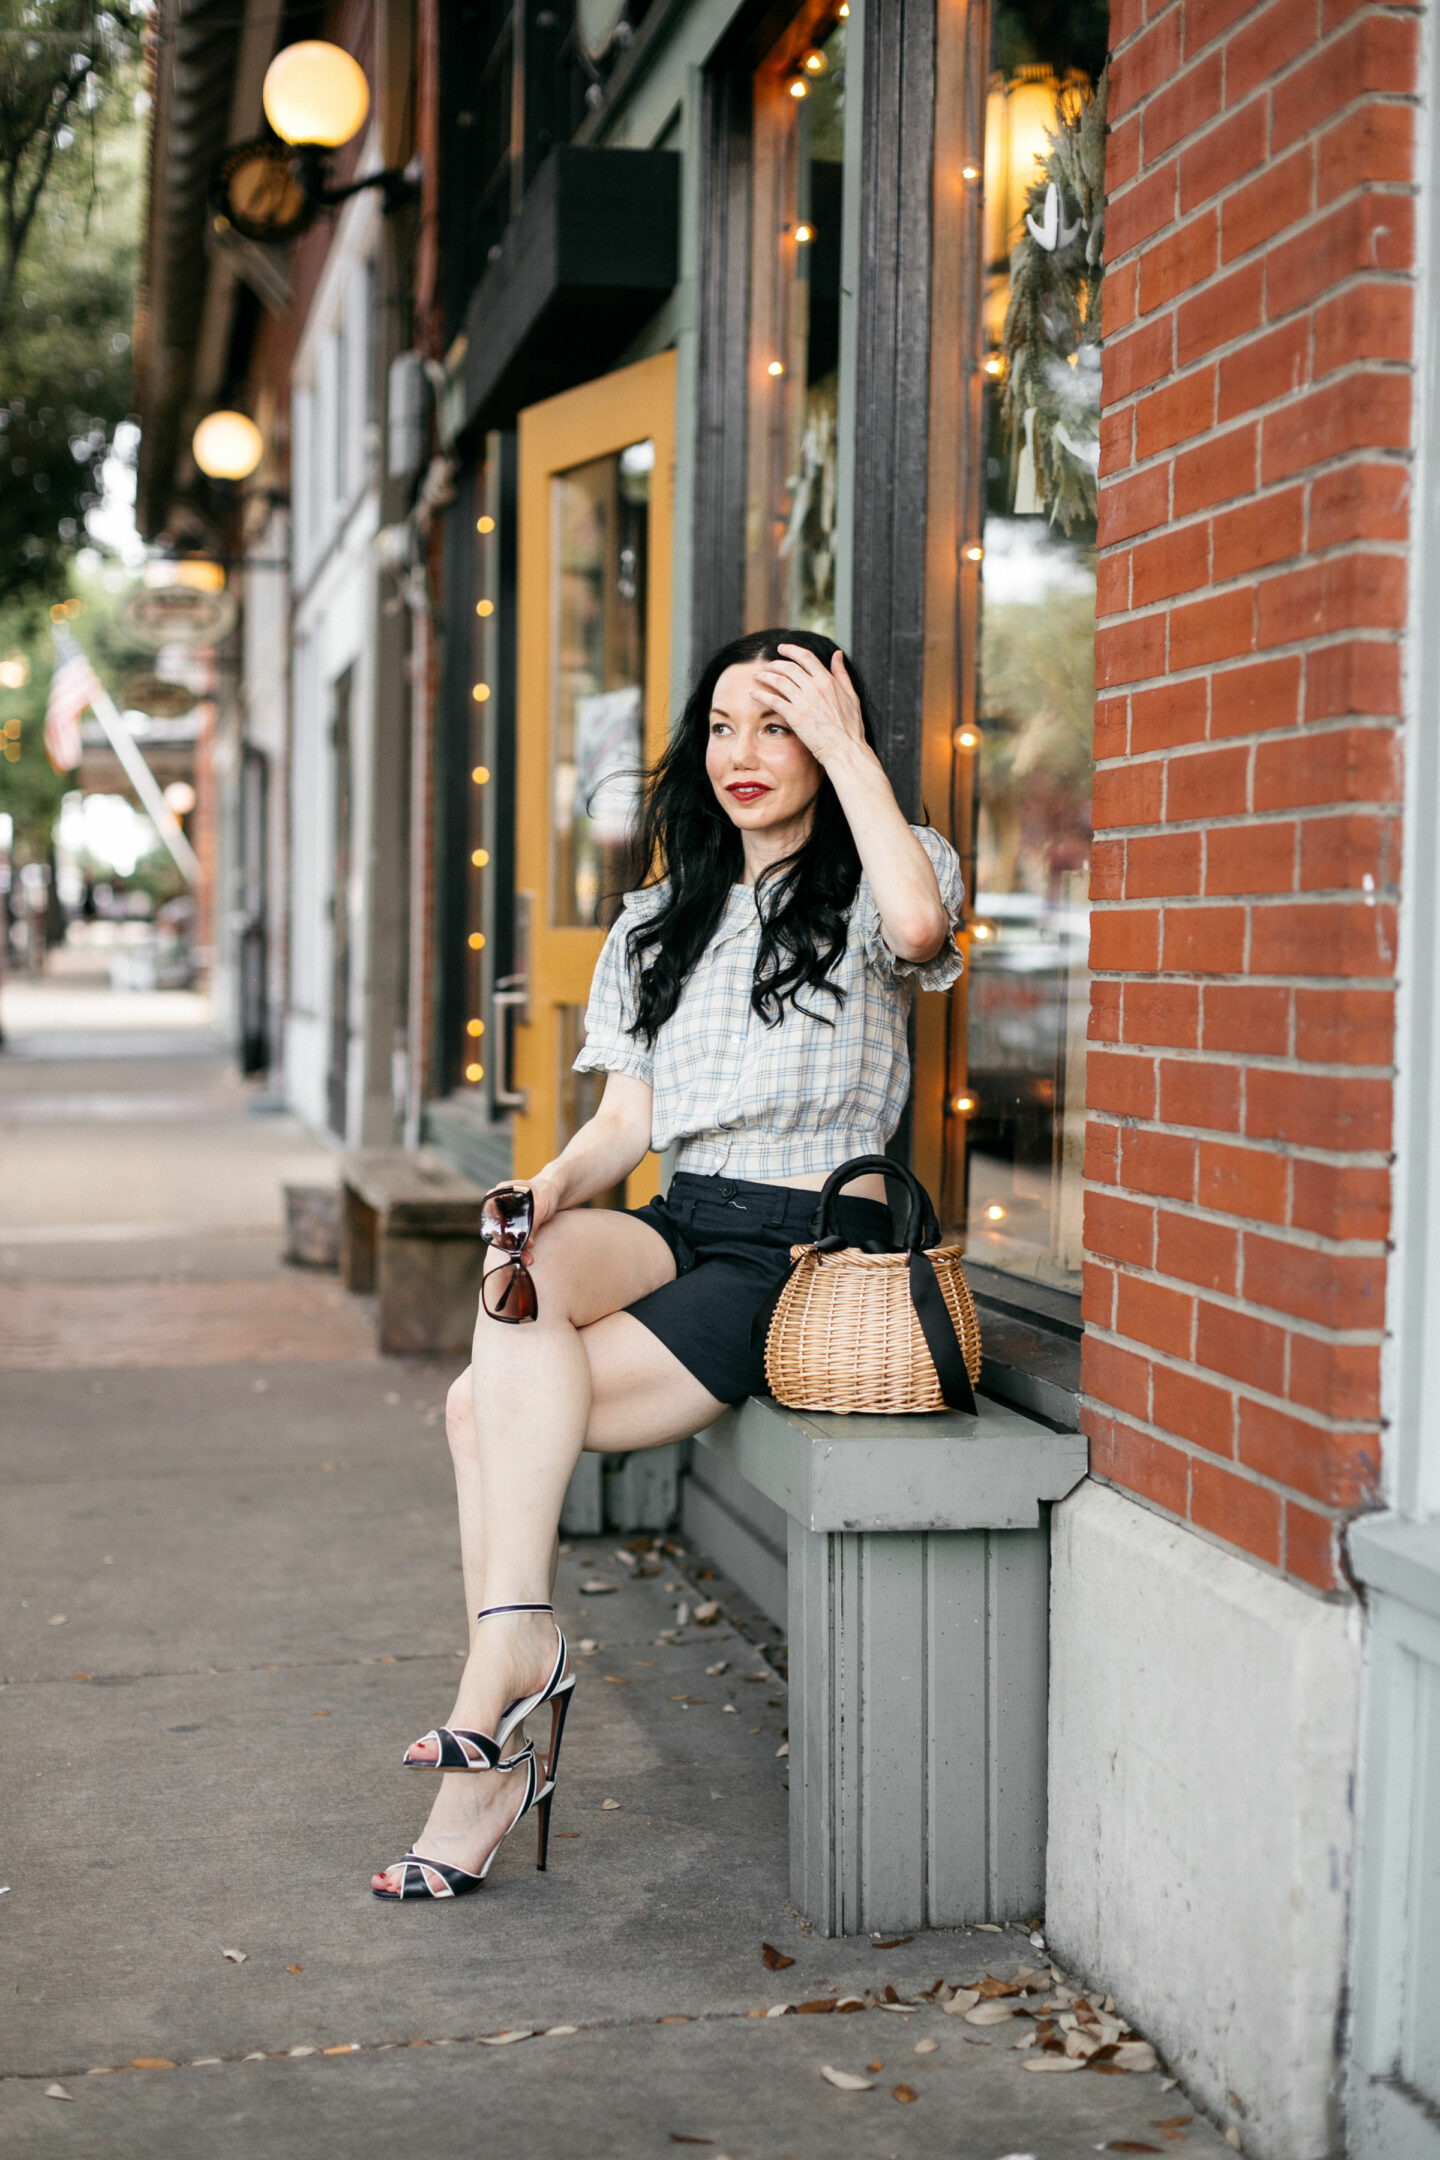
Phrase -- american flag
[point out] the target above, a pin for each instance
(73, 686)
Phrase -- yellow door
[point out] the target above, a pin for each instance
(597, 482)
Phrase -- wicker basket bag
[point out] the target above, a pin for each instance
(888, 1332)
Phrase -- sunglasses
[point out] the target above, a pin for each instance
(507, 1219)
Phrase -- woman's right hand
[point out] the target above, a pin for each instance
(544, 1201)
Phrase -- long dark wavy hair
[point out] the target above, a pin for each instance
(685, 835)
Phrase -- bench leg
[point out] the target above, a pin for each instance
(918, 1670)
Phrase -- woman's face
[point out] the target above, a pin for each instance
(760, 770)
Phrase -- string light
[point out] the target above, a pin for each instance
(995, 1213)
(967, 738)
(477, 941)
(485, 607)
(480, 775)
(814, 63)
(480, 692)
(799, 89)
(776, 367)
(974, 553)
(803, 233)
(474, 1072)
(969, 172)
(961, 1105)
(994, 365)
(475, 1027)
(486, 524)
(981, 931)
(480, 857)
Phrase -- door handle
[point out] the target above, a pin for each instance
(511, 1002)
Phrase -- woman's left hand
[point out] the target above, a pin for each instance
(817, 702)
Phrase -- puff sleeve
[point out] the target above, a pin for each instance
(609, 1046)
(948, 964)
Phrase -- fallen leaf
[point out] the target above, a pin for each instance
(963, 2000)
(715, 1670)
(1232, 2138)
(674, 2021)
(775, 1960)
(504, 2039)
(692, 1702)
(783, 1749)
(892, 1942)
(682, 1614)
(730, 1710)
(236, 1957)
(257, 2056)
(326, 1713)
(304, 2051)
(902, 2093)
(151, 2062)
(294, 1968)
(777, 2010)
(1168, 2084)
(875, 2068)
(1052, 2062)
(1136, 2055)
(1026, 2040)
(989, 1988)
(597, 1589)
(609, 1803)
(678, 2137)
(816, 2008)
(557, 2032)
(587, 1642)
(845, 2080)
(346, 2047)
(567, 1833)
(848, 2005)
(57, 1620)
(82, 1675)
(1172, 2122)
(57, 2092)
(989, 2013)
(617, 1679)
(926, 2047)
(988, 1927)
(198, 2062)
(707, 1612)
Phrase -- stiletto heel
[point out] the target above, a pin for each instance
(458, 1747)
(559, 1710)
(422, 1878)
(544, 1846)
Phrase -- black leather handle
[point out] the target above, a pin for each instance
(922, 1227)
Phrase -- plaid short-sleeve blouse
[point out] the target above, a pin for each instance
(740, 1098)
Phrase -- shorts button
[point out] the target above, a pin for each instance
(727, 1190)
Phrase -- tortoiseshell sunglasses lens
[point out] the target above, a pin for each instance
(507, 1217)
(508, 1293)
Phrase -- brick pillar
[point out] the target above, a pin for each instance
(1254, 508)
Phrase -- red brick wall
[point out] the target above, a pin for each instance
(1254, 510)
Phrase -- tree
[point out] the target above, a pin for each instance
(70, 156)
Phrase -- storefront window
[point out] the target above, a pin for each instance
(1029, 982)
(798, 175)
(601, 515)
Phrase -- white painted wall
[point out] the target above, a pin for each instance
(1202, 1750)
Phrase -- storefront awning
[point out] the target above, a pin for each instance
(587, 262)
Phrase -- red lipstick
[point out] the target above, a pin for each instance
(747, 791)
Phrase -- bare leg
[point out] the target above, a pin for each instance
(535, 1401)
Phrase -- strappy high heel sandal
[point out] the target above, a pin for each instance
(422, 1878)
(458, 1747)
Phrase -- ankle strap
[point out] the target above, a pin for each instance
(489, 1609)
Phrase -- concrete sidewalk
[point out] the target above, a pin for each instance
(231, 1596)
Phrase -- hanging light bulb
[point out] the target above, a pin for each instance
(227, 446)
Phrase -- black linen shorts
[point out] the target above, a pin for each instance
(731, 1239)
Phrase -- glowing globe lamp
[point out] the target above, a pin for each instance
(227, 446)
(315, 93)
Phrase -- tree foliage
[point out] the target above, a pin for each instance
(70, 144)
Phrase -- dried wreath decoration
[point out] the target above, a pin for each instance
(1052, 334)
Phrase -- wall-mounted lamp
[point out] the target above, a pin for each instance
(227, 446)
(316, 98)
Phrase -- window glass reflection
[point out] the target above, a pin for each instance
(795, 327)
(601, 515)
(1029, 979)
